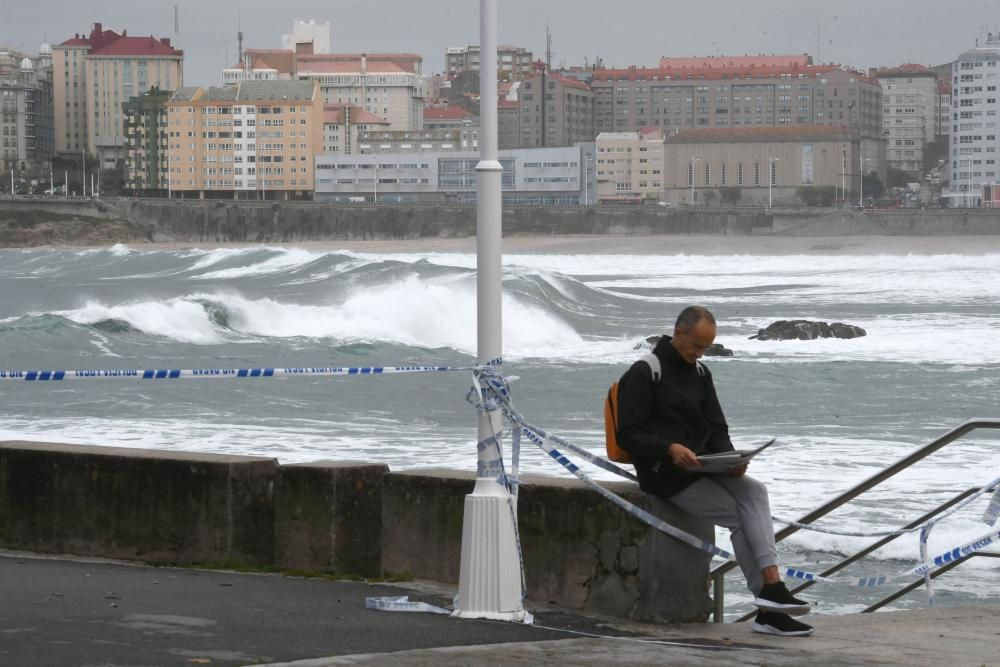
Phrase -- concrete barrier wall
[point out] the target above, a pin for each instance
(26, 223)
(341, 518)
(580, 551)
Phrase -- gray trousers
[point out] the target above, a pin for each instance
(741, 505)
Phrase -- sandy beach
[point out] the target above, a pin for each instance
(645, 245)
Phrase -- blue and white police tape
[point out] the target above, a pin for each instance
(402, 603)
(202, 373)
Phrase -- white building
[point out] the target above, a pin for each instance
(629, 166)
(308, 33)
(909, 107)
(974, 145)
(530, 176)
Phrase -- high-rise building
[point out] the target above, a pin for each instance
(513, 62)
(252, 140)
(387, 85)
(26, 109)
(146, 143)
(95, 75)
(974, 145)
(553, 111)
(909, 108)
(765, 91)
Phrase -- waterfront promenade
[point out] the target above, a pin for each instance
(69, 612)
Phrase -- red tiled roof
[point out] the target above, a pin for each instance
(907, 69)
(76, 41)
(943, 86)
(565, 80)
(446, 113)
(333, 114)
(349, 67)
(137, 46)
(709, 62)
(508, 104)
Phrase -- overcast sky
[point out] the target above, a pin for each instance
(860, 33)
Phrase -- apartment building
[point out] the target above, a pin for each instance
(26, 112)
(253, 140)
(387, 85)
(974, 145)
(419, 141)
(261, 65)
(146, 143)
(455, 118)
(530, 176)
(629, 166)
(724, 92)
(513, 62)
(909, 110)
(768, 164)
(552, 111)
(307, 36)
(94, 75)
(344, 124)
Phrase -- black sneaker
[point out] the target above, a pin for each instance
(775, 597)
(772, 623)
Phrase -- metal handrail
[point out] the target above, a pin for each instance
(718, 573)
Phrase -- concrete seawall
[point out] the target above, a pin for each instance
(342, 518)
(50, 221)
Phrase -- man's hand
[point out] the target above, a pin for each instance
(682, 456)
(740, 471)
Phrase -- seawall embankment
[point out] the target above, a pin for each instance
(342, 519)
(54, 221)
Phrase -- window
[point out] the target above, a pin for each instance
(739, 173)
(756, 173)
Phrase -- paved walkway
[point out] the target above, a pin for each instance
(88, 613)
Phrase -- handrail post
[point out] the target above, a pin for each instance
(719, 597)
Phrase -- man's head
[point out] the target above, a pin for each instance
(694, 331)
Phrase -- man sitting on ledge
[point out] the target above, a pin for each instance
(665, 425)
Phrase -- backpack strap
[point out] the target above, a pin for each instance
(701, 369)
(653, 362)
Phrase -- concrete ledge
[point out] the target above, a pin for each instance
(156, 506)
(329, 517)
(580, 551)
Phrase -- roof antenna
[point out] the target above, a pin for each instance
(177, 24)
(239, 32)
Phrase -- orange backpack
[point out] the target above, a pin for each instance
(616, 453)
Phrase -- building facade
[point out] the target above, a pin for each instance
(254, 140)
(723, 92)
(307, 36)
(377, 141)
(530, 176)
(909, 115)
(455, 118)
(146, 144)
(95, 75)
(629, 166)
(387, 85)
(553, 111)
(762, 166)
(343, 125)
(973, 142)
(513, 62)
(26, 113)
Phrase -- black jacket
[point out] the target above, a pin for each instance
(681, 406)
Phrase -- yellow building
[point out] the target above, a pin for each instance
(252, 140)
(93, 76)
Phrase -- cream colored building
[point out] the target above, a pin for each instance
(909, 108)
(629, 166)
(252, 140)
(343, 125)
(94, 76)
(768, 165)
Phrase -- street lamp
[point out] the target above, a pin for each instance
(691, 175)
(375, 199)
(861, 181)
(968, 193)
(586, 188)
(770, 176)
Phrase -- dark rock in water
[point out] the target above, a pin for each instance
(714, 350)
(807, 330)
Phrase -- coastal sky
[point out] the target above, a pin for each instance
(857, 33)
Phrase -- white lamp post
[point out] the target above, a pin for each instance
(489, 580)
(861, 182)
(770, 176)
(693, 160)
